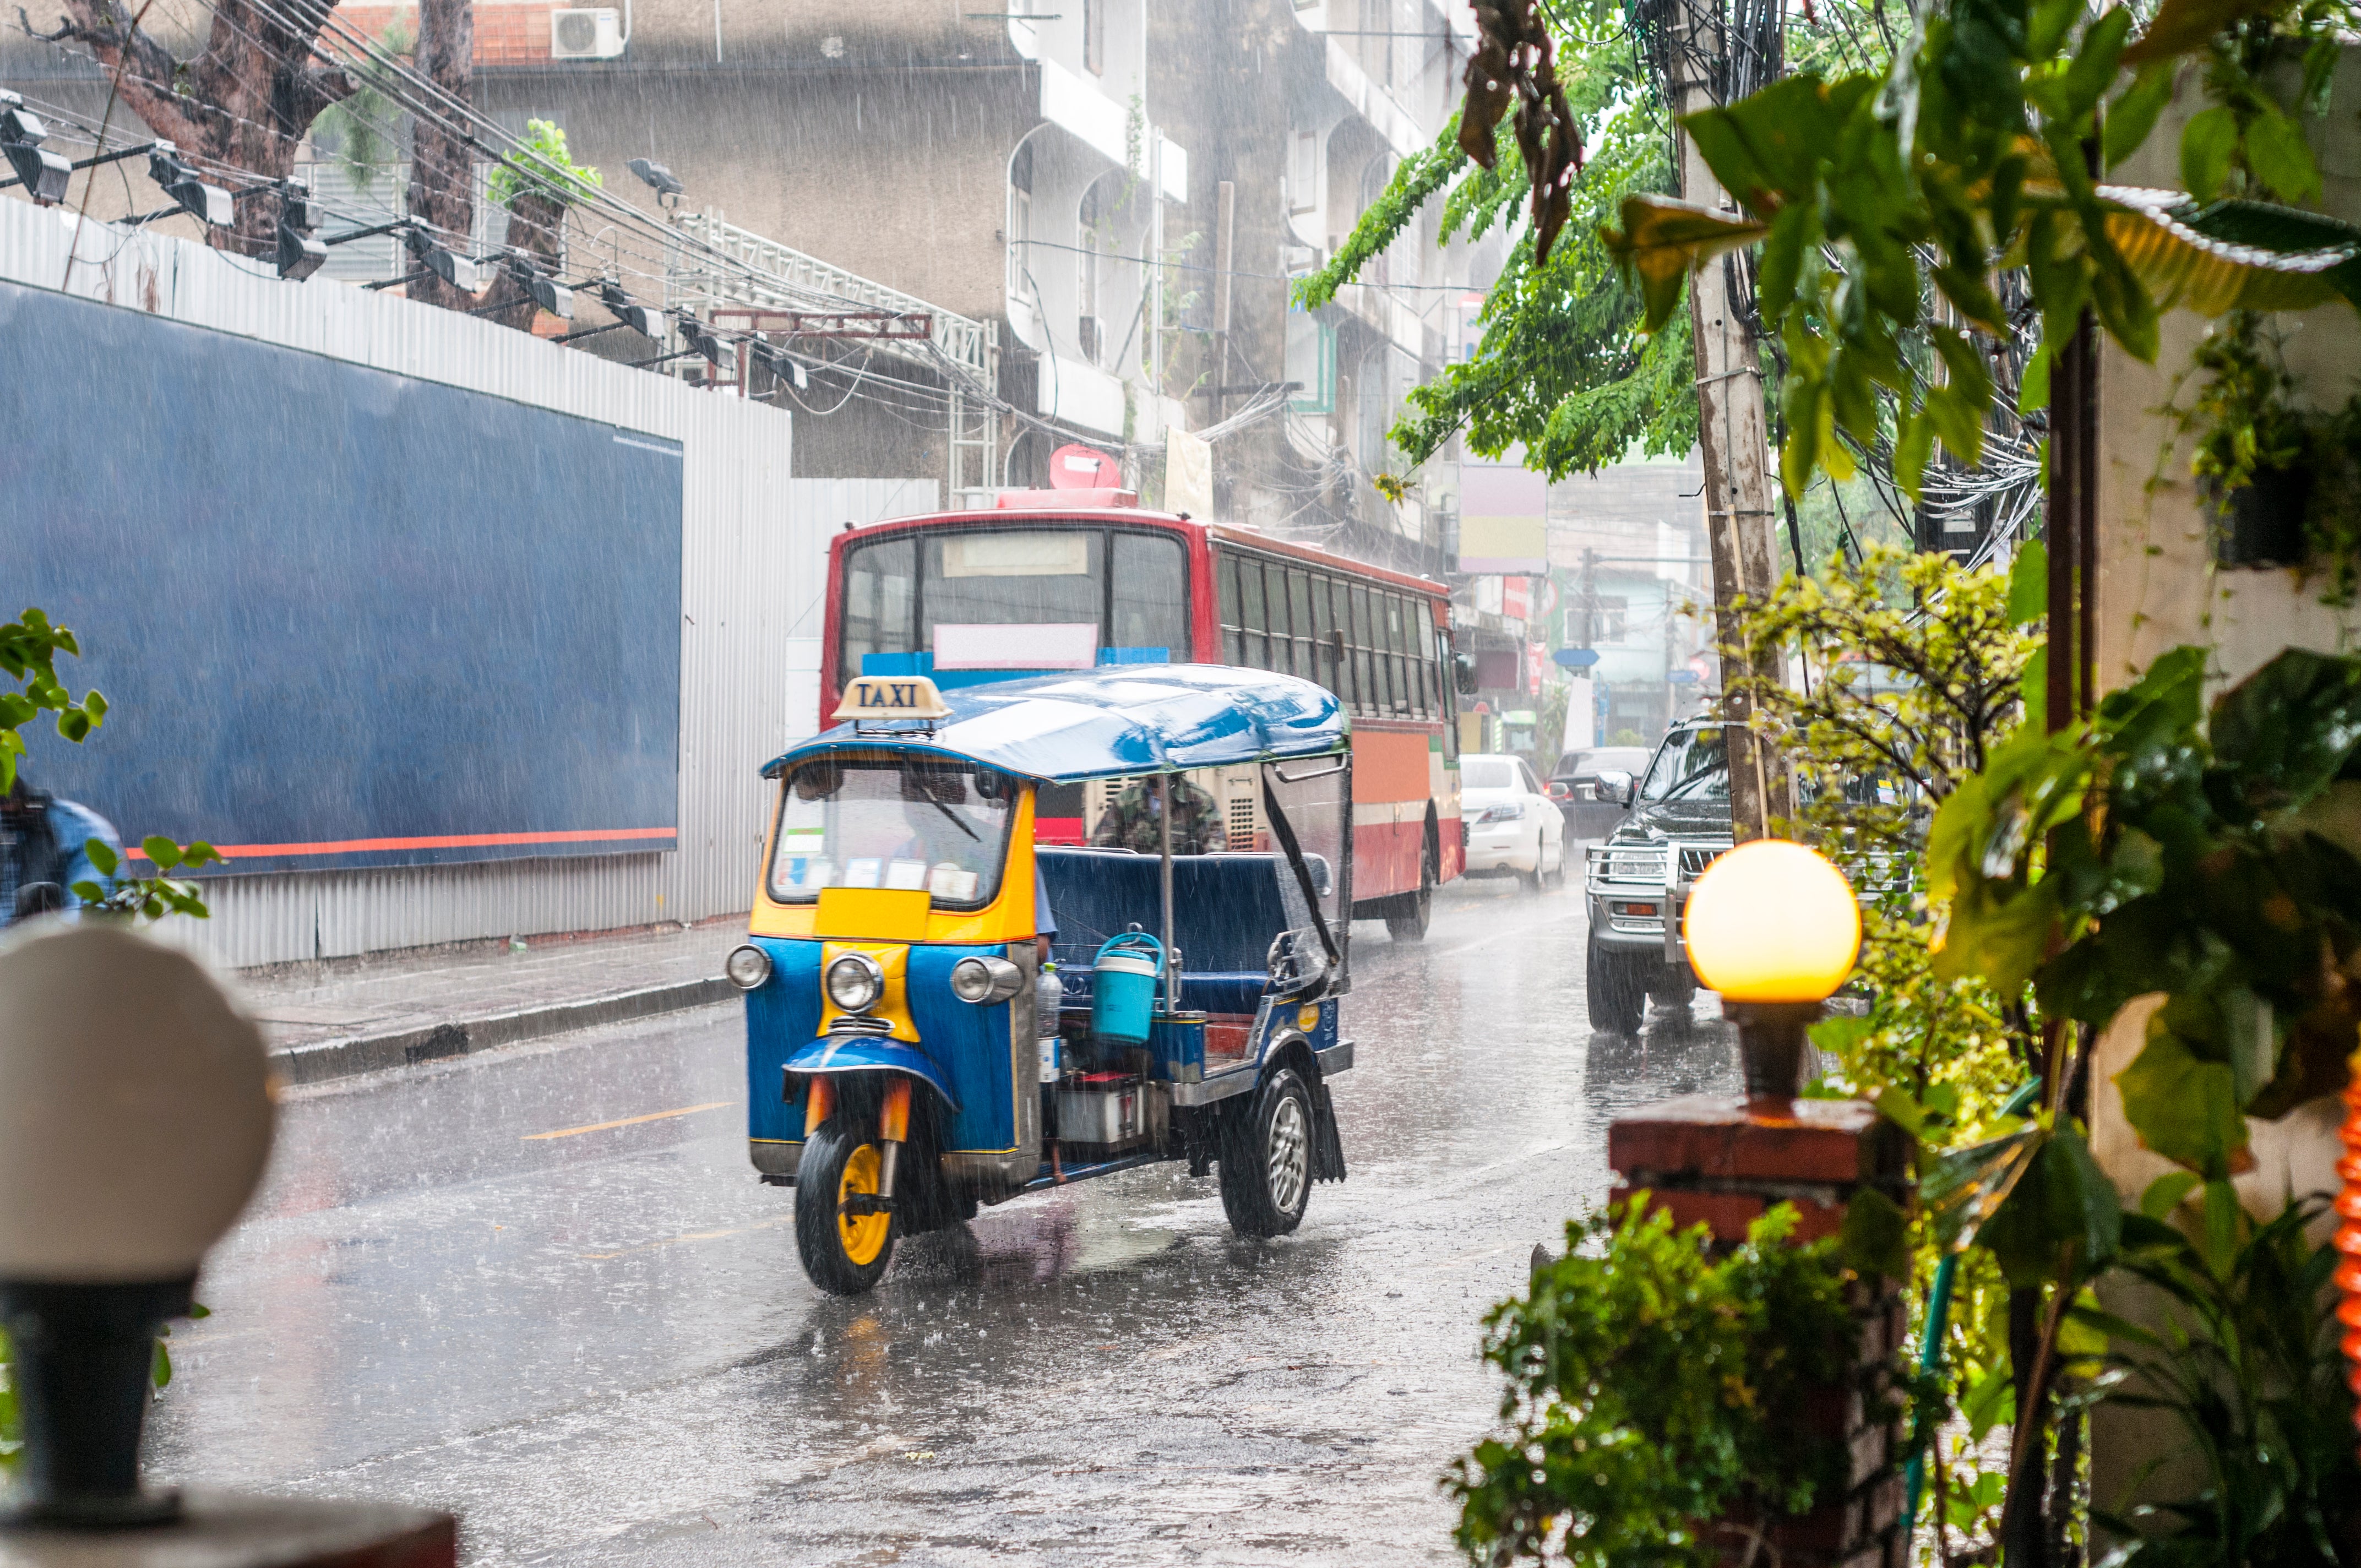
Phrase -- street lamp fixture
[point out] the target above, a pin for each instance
(119, 1060)
(1773, 927)
(42, 173)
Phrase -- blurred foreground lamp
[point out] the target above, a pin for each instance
(1773, 927)
(135, 1121)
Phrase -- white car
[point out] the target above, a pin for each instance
(1513, 826)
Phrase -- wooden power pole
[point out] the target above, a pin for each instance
(1734, 435)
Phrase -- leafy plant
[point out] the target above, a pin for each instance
(2244, 418)
(1651, 1387)
(360, 129)
(1877, 193)
(2244, 1361)
(29, 647)
(1561, 368)
(549, 171)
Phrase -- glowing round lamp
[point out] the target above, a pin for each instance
(135, 1122)
(1773, 927)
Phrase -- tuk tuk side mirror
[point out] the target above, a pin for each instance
(1614, 787)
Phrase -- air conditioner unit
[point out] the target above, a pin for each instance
(585, 32)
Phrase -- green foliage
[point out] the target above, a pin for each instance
(1652, 1386)
(2243, 1362)
(2215, 860)
(2245, 417)
(1918, 668)
(29, 647)
(358, 128)
(1561, 367)
(546, 172)
(147, 898)
(1874, 193)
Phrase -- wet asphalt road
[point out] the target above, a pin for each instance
(598, 1348)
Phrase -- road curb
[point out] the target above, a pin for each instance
(326, 1059)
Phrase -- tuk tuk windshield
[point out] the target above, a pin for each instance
(905, 822)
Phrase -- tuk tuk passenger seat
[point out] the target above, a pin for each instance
(1227, 908)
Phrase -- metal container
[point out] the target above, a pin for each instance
(1103, 1110)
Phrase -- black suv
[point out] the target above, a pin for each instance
(1677, 821)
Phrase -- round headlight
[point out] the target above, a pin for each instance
(982, 980)
(855, 982)
(748, 967)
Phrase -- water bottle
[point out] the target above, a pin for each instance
(1049, 995)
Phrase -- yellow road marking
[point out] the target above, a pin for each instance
(629, 1120)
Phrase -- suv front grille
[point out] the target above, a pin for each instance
(1695, 858)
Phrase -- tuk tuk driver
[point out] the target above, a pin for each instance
(1129, 821)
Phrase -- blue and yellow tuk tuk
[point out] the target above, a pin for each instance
(943, 1012)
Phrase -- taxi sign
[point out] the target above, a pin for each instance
(876, 697)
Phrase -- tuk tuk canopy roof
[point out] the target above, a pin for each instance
(1113, 721)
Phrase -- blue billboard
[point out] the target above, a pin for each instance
(344, 618)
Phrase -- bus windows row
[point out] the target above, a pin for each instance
(1298, 620)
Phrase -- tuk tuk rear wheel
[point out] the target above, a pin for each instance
(844, 1252)
(1267, 1159)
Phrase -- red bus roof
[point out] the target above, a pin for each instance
(1139, 517)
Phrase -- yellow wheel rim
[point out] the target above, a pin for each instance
(863, 1235)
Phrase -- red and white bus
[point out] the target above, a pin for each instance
(1034, 586)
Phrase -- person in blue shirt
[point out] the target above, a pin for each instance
(45, 850)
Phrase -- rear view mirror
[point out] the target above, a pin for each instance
(1557, 791)
(1615, 788)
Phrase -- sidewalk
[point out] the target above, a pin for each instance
(352, 1015)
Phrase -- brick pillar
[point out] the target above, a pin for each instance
(1710, 1159)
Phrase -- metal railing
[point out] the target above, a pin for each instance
(770, 275)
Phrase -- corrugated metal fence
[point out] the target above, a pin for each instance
(754, 563)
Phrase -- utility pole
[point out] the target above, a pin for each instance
(1733, 433)
(1226, 205)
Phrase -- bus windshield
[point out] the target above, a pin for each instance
(1114, 588)
(915, 823)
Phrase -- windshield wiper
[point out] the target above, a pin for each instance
(954, 821)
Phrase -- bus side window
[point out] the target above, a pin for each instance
(1447, 689)
(1254, 654)
(1389, 629)
(1298, 599)
(1275, 603)
(1324, 627)
(1367, 695)
(1226, 567)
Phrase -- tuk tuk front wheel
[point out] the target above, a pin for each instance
(844, 1244)
(1267, 1159)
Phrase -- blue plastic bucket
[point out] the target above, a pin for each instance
(1123, 987)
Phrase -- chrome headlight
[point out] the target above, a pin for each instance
(855, 982)
(984, 980)
(748, 967)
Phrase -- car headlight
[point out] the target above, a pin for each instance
(984, 980)
(855, 982)
(1507, 812)
(748, 967)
